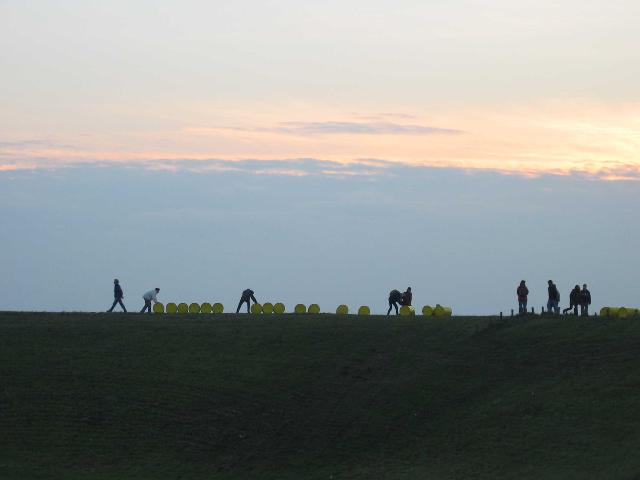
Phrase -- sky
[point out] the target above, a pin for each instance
(318, 152)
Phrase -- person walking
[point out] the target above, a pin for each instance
(395, 297)
(554, 299)
(247, 295)
(585, 300)
(574, 301)
(118, 295)
(407, 297)
(150, 296)
(522, 292)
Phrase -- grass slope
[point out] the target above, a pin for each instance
(94, 396)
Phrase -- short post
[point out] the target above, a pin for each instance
(533, 310)
(542, 309)
(500, 315)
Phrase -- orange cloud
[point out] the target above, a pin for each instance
(561, 137)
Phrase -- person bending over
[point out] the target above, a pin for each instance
(247, 295)
(150, 296)
(395, 297)
(574, 301)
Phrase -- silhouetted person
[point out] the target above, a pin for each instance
(247, 295)
(395, 297)
(554, 299)
(407, 297)
(150, 296)
(522, 293)
(585, 300)
(574, 300)
(117, 296)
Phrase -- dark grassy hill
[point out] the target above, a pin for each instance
(99, 396)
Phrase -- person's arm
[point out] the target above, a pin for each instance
(254, 298)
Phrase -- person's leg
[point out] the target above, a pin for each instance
(248, 306)
(575, 309)
(239, 305)
(395, 305)
(556, 307)
(390, 307)
(113, 306)
(147, 306)
(124, 309)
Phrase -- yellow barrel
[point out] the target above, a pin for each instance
(314, 309)
(267, 308)
(205, 307)
(300, 308)
(364, 310)
(342, 310)
(256, 309)
(604, 312)
(427, 310)
(158, 308)
(194, 308)
(407, 310)
(279, 308)
(441, 311)
(183, 308)
(217, 308)
(172, 308)
(614, 311)
(627, 312)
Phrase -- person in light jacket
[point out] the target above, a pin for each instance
(118, 295)
(150, 296)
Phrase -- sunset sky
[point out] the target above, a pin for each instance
(335, 110)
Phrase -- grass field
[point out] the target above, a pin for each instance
(96, 396)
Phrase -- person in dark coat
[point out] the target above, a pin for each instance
(574, 301)
(118, 295)
(247, 296)
(585, 300)
(407, 297)
(522, 292)
(395, 297)
(554, 299)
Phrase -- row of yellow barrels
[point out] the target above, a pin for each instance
(621, 312)
(279, 308)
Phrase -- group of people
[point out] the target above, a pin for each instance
(118, 295)
(395, 298)
(152, 297)
(577, 298)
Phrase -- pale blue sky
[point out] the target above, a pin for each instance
(460, 239)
